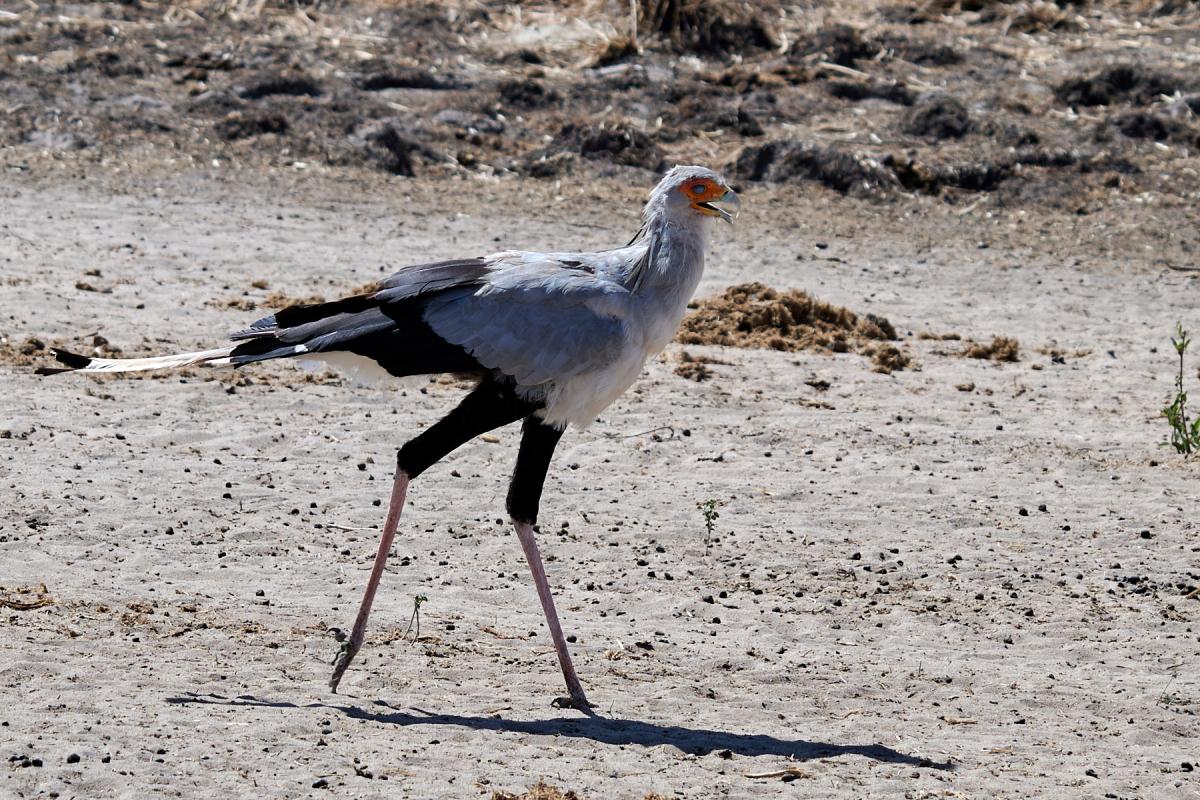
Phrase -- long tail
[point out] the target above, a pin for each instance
(76, 363)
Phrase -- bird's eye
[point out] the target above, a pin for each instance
(698, 188)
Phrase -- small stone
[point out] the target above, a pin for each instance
(73, 758)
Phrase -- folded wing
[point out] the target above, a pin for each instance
(535, 321)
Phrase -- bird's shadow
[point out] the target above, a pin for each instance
(604, 730)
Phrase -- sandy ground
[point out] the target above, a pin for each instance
(968, 579)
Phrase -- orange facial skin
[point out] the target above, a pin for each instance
(700, 191)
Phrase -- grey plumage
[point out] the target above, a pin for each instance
(572, 329)
(555, 337)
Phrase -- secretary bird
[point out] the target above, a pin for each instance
(553, 339)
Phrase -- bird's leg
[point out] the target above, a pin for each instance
(351, 646)
(488, 406)
(524, 494)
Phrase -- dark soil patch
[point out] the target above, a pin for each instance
(988, 174)
(244, 124)
(403, 78)
(288, 83)
(712, 26)
(392, 149)
(1156, 125)
(616, 142)
(891, 91)
(752, 315)
(708, 114)
(978, 176)
(215, 102)
(111, 63)
(788, 160)
(1120, 83)
(528, 94)
(937, 116)
(925, 52)
(839, 44)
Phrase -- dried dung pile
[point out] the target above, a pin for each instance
(756, 316)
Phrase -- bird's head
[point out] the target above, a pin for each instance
(692, 194)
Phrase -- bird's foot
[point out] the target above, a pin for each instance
(578, 702)
(341, 661)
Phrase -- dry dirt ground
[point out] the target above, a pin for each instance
(966, 578)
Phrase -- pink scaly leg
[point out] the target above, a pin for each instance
(577, 699)
(351, 646)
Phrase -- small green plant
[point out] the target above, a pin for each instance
(1185, 436)
(709, 509)
(416, 617)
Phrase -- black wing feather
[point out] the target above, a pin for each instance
(386, 324)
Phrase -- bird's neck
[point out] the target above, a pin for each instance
(674, 259)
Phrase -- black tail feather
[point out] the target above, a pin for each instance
(73, 362)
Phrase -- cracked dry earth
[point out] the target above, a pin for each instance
(967, 578)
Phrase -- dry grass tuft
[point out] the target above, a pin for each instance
(1001, 348)
(25, 598)
(752, 315)
(695, 368)
(539, 791)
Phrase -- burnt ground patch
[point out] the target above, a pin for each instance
(937, 115)
(881, 103)
(1159, 125)
(293, 84)
(787, 160)
(527, 94)
(617, 142)
(242, 125)
(401, 77)
(841, 44)
(1122, 83)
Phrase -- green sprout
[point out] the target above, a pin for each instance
(709, 509)
(1185, 436)
(416, 617)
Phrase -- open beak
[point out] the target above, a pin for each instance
(728, 205)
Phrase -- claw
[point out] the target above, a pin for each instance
(579, 703)
(340, 662)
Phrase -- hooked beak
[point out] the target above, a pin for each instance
(729, 199)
